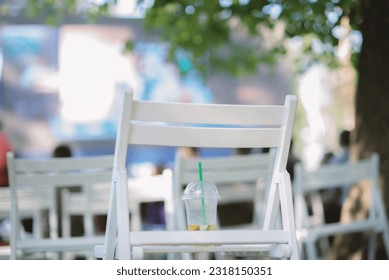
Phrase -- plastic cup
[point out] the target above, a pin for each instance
(201, 198)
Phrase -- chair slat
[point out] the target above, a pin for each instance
(205, 137)
(200, 113)
(333, 176)
(334, 229)
(228, 176)
(252, 161)
(57, 180)
(216, 237)
(63, 164)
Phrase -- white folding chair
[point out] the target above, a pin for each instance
(203, 125)
(43, 176)
(310, 221)
(94, 200)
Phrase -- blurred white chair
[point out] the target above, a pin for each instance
(5, 210)
(43, 176)
(203, 125)
(94, 200)
(89, 204)
(313, 232)
(30, 210)
(239, 179)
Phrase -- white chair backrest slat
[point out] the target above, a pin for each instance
(328, 176)
(180, 136)
(80, 164)
(211, 114)
(62, 179)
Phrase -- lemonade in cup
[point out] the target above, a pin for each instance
(201, 198)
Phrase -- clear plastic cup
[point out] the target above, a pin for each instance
(201, 198)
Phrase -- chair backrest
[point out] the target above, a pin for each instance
(239, 178)
(310, 220)
(86, 204)
(29, 207)
(30, 210)
(94, 201)
(43, 177)
(199, 125)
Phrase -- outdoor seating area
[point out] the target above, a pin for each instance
(287, 220)
(164, 131)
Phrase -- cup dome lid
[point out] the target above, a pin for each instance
(194, 190)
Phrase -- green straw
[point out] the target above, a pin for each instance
(202, 195)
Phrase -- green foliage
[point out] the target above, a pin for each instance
(55, 11)
(219, 39)
(52, 10)
(232, 36)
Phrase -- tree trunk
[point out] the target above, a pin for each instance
(372, 116)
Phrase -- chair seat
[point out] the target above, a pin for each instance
(63, 244)
(208, 241)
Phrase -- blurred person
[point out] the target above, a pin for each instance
(62, 150)
(292, 161)
(189, 152)
(154, 212)
(344, 154)
(243, 151)
(333, 199)
(236, 213)
(326, 157)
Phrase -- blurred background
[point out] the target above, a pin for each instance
(59, 83)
